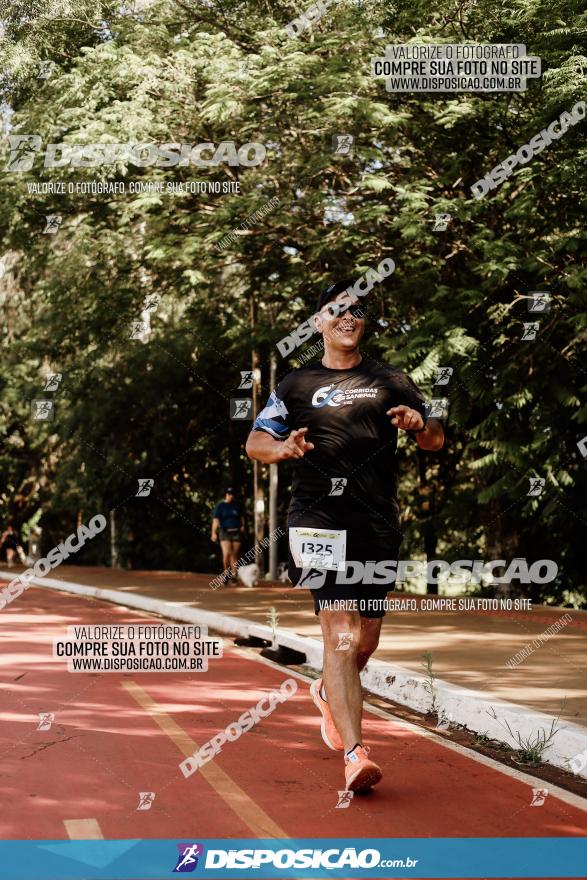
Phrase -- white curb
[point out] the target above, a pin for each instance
(458, 704)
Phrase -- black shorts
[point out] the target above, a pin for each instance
(373, 540)
(230, 534)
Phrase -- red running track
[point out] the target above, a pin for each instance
(115, 735)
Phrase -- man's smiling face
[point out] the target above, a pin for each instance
(341, 326)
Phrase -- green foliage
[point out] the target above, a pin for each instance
(187, 72)
(531, 748)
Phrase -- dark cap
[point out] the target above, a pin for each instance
(331, 292)
(229, 490)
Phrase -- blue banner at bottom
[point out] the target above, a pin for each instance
(294, 858)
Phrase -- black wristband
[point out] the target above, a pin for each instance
(419, 430)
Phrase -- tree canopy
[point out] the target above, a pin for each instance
(157, 406)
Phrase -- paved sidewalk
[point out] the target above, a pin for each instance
(469, 649)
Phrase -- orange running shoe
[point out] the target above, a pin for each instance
(330, 734)
(360, 772)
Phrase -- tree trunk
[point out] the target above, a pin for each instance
(425, 493)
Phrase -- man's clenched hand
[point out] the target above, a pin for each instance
(405, 418)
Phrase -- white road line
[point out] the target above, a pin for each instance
(83, 829)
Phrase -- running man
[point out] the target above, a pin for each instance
(228, 519)
(338, 419)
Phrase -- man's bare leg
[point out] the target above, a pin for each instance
(341, 674)
(341, 668)
(370, 632)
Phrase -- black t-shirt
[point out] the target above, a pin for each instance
(354, 440)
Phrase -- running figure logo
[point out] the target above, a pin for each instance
(338, 484)
(437, 408)
(537, 484)
(342, 144)
(146, 799)
(443, 375)
(145, 486)
(444, 721)
(539, 301)
(45, 69)
(138, 330)
(151, 302)
(52, 223)
(241, 408)
(530, 331)
(46, 719)
(312, 577)
(344, 800)
(441, 222)
(23, 150)
(53, 381)
(539, 795)
(187, 860)
(42, 410)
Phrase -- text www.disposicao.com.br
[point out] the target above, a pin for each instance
(135, 664)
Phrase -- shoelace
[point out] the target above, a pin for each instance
(366, 749)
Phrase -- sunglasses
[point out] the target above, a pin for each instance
(337, 310)
(357, 311)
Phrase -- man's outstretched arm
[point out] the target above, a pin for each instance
(264, 448)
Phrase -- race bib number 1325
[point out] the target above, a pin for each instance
(318, 548)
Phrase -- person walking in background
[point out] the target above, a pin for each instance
(11, 545)
(227, 518)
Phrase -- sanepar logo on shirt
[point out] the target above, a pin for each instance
(331, 395)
